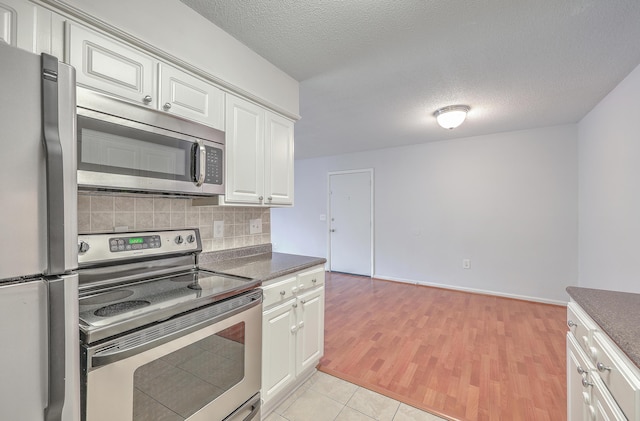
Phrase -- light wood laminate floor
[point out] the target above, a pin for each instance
(462, 355)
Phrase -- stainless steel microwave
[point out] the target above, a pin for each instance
(126, 148)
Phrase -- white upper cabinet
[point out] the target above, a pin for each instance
(189, 97)
(17, 23)
(31, 27)
(110, 66)
(259, 155)
(244, 152)
(118, 69)
(278, 151)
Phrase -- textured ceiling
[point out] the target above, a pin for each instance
(372, 72)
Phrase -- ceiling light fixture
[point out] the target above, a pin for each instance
(452, 116)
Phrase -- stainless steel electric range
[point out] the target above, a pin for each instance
(161, 338)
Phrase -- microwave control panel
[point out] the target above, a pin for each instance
(214, 166)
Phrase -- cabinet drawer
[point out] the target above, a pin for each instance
(581, 326)
(311, 278)
(618, 376)
(279, 292)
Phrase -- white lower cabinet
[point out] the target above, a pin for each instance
(292, 334)
(278, 349)
(602, 383)
(310, 331)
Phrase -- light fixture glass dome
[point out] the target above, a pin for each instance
(452, 116)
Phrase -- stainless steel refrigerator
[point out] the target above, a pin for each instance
(39, 348)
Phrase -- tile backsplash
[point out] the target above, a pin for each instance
(108, 213)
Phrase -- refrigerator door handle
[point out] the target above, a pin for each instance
(55, 237)
(57, 350)
(54, 163)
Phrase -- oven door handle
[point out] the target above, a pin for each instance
(240, 414)
(108, 357)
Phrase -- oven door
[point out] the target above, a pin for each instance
(122, 155)
(204, 365)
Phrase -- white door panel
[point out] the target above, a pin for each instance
(351, 222)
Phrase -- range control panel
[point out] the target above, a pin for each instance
(95, 248)
(134, 243)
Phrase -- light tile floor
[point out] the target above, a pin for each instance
(327, 398)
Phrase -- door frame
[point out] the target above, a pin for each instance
(371, 206)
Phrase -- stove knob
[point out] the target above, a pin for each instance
(179, 239)
(83, 247)
(191, 238)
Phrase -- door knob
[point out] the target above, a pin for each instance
(167, 106)
(332, 230)
(147, 99)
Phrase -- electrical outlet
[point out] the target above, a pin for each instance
(255, 226)
(466, 263)
(218, 229)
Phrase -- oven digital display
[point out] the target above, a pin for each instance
(119, 244)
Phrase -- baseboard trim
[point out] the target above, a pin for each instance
(473, 290)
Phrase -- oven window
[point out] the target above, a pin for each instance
(179, 384)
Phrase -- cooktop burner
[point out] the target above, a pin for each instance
(108, 297)
(113, 310)
(117, 308)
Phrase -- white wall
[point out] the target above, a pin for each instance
(180, 31)
(609, 192)
(506, 201)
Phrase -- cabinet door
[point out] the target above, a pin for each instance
(310, 340)
(244, 152)
(17, 23)
(278, 160)
(604, 407)
(190, 97)
(110, 66)
(278, 349)
(578, 397)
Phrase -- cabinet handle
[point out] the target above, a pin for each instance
(602, 368)
(294, 290)
(294, 329)
(167, 106)
(581, 370)
(282, 293)
(303, 301)
(260, 198)
(301, 325)
(585, 382)
(313, 281)
(269, 198)
(147, 99)
(571, 324)
(294, 305)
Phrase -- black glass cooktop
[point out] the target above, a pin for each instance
(114, 310)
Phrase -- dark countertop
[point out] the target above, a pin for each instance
(263, 266)
(617, 313)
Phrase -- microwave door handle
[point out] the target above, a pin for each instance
(200, 161)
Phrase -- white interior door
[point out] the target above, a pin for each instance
(350, 224)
